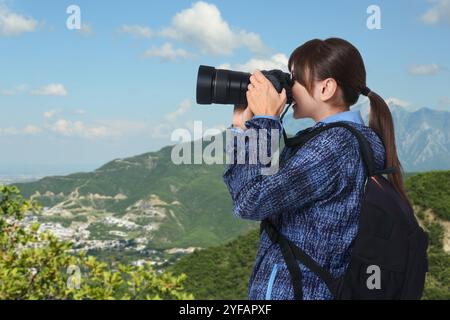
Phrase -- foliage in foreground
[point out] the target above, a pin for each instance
(37, 265)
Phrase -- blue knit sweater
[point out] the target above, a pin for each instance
(314, 200)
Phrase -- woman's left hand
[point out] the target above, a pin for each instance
(262, 97)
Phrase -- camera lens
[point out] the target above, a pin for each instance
(230, 87)
(205, 80)
(221, 86)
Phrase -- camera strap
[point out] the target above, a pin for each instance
(285, 137)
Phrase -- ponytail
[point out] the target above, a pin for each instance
(380, 120)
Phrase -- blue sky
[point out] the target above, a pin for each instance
(122, 83)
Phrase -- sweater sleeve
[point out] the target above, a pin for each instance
(311, 174)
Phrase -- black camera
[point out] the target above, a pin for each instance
(230, 87)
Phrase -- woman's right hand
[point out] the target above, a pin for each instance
(241, 114)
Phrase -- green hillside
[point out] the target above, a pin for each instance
(169, 205)
(431, 190)
(223, 272)
(430, 193)
(220, 272)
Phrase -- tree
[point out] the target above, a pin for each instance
(37, 265)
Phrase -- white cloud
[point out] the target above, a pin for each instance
(424, 69)
(13, 91)
(175, 120)
(56, 123)
(398, 102)
(54, 89)
(439, 12)
(137, 31)
(79, 112)
(13, 24)
(99, 130)
(77, 128)
(277, 61)
(167, 53)
(32, 129)
(117, 128)
(163, 130)
(27, 130)
(9, 131)
(106, 129)
(51, 113)
(86, 30)
(203, 27)
(184, 106)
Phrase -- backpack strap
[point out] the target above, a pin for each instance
(291, 254)
(288, 256)
(366, 150)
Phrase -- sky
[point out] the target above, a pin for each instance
(119, 85)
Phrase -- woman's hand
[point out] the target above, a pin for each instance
(263, 98)
(240, 115)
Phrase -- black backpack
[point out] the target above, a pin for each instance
(389, 254)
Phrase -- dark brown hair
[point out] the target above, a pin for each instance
(336, 58)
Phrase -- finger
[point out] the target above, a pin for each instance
(260, 77)
(254, 80)
(249, 100)
(255, 83)
(250, 94)
(251, 86)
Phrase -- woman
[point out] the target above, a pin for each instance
(314, 199)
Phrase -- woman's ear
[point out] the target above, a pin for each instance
(328, 88)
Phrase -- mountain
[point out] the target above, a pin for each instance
(223, 272)
(142, 206)
(147, 208)
(422, 136)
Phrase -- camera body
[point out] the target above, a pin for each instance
(230, 87)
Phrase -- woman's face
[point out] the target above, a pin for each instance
(304, 105)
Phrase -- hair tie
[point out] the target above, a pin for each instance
(365, 91)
